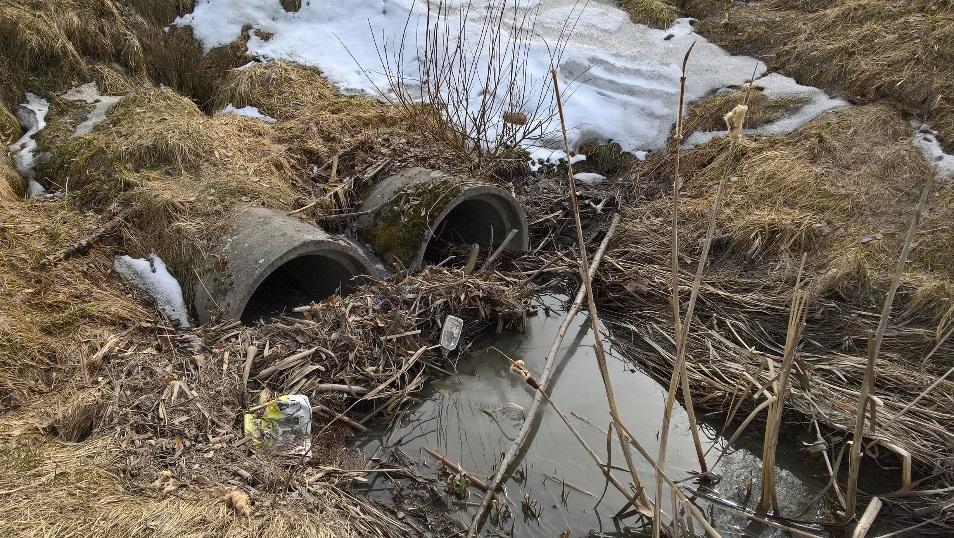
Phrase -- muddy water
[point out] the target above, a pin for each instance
(473, 416)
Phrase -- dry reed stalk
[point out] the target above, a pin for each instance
(531, 418)
(854, 461)
(594, 314)
(796, 323)
(679, 369)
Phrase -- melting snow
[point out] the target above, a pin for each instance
(88, 93)
(247, 111)
(32, 117)
(774, 86)
(589, 178)
(926, 139)
(152, 278)
(621, 79)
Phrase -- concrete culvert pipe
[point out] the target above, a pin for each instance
(413, 217)
(269, 263)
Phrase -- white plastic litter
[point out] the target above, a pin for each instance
(247, 111)
(450, 334)
(152, 277)
(32, 117)
(623, 88)
(284, 425)
(88, 93)
(926, 139)
(589, 178)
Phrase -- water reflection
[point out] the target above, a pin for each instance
(473, 417)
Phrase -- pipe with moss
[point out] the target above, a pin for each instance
(410, 218)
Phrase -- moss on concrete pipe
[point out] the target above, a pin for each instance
(409, 216)
(269, 262)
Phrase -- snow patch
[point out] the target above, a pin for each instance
(540, 157)
(775, 86)
(88, 93)
(247, 111)
(927, 141)
(589, 178)
(151, 277)
(620, 79)
(32, 117)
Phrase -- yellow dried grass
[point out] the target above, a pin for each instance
(869, 49)
(180, 174)
(839, 188)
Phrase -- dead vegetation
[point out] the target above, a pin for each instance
(868, 49)
(652, 13)
(836, 189)
(152, 406)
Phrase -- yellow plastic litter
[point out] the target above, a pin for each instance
(284, 425)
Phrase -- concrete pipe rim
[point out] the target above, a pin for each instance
(353, 263)
(503, 202)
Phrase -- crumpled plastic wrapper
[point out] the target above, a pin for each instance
(284, 427)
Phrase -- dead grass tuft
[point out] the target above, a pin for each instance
(179, 173)
(869, 49)
(652, 13)
(314, 116)
(9, 127)
(78, 417)
(45, 46)
(839, 188)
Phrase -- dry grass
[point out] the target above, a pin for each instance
(652, 13)
(314, 117)
(48, 319)
(45, 46)
(837, 189)
(9, 127)
(180, 173)
(870, 49)
(88, 490)
(708, 114)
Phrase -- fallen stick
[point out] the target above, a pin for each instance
(503, 246)
(532, 414)
(86, 243)
(439, 457)
(867, 519)
(343, 418)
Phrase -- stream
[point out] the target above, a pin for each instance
(472, 417)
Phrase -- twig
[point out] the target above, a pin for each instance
(86, 243)
(439, 457)
(867, 519)
(535, 408)
(503, 246)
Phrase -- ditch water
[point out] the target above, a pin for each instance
(473, 416)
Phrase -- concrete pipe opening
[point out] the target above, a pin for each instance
(420, 216)
(271, 263)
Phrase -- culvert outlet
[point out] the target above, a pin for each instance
(411, 218)
(269, 263)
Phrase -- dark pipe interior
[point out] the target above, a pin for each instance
(296, 283)
(472, 221)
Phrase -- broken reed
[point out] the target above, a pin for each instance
(679, 376)
(874, 349)
(594, 314)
